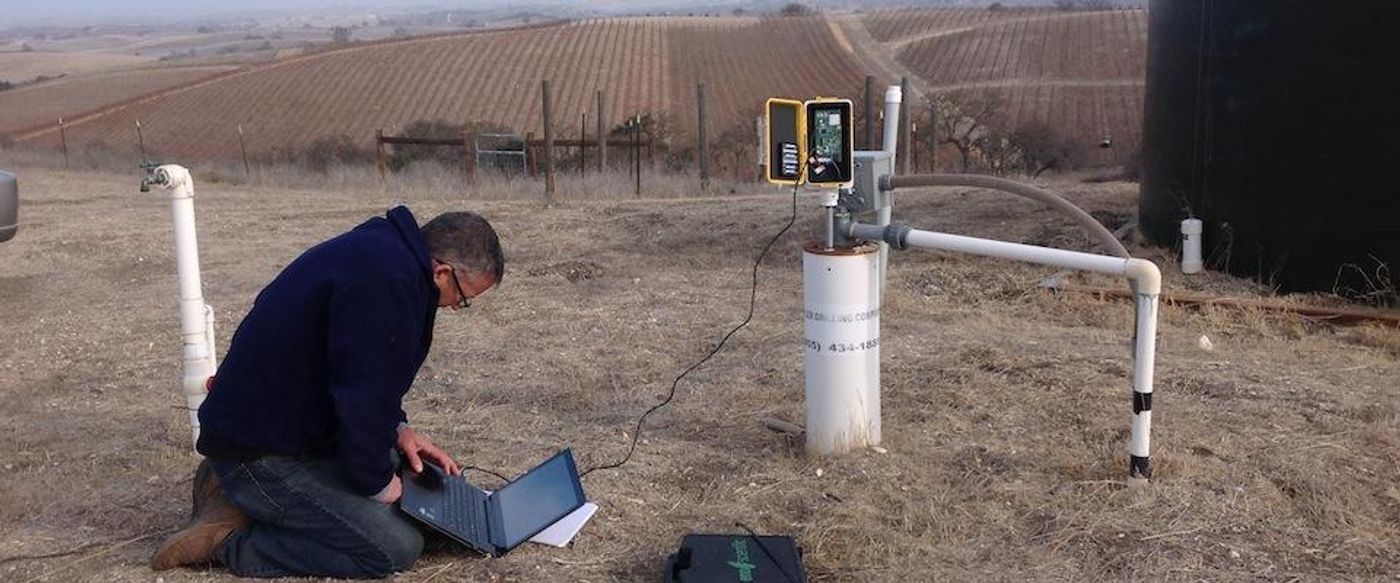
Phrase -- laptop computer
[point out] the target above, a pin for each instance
(494, 523)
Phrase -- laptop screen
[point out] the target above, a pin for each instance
(538, 499)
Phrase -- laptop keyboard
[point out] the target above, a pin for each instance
(464, 508)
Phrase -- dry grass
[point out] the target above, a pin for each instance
(17, 66)
(1006, 408)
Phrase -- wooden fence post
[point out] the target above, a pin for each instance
(380, 162)
(469, 156)
(548, 141)
(702, 149)
(637, 150)
(932, 131)
(870, 108)
(914, 144)
(906, 139)
(531, 159)
(583, 146)
(762, 147)
(243, 148)
(602, 133)
(63, 136)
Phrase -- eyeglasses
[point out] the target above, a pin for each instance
(463, 302)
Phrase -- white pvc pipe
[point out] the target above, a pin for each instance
(1146, 280)
(196, 318)
(1144, 360)
(1020, 252)
(842, 315)
(209, 336)
(1191, 246)
(894, 97)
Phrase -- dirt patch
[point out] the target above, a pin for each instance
(1005, 408)
(571, 271)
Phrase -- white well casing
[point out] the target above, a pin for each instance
(841, 294)
(1191, 246)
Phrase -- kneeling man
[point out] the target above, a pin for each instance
(304, 424)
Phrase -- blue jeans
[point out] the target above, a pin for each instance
(307, 521)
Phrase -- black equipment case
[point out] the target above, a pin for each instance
(736, 558)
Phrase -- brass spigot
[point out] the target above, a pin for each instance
(152, 177)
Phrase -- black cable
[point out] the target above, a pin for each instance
(764, 548)
(753, 301)
(484, 471)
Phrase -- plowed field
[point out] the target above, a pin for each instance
(1080, 73)
(27, 108)
(645, 65)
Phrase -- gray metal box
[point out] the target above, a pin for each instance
(865, 193)
(9, 206)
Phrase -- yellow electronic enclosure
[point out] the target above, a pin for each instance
(809, 142)
(785, 140)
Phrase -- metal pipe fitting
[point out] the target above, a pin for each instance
(896, 234)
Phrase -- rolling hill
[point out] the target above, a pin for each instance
(1078, 73)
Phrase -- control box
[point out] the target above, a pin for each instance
(809, 142)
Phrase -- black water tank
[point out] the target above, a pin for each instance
(9, 206)
(1275, 122)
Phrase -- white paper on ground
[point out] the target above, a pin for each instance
(565, 529)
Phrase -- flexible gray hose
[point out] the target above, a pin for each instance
(1100, 233)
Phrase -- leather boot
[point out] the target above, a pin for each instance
(213, 520)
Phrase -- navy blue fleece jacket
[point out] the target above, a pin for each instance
(320, 364)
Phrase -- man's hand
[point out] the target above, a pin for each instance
(415, 447)
(392, 492)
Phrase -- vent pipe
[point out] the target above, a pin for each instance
(196, 317)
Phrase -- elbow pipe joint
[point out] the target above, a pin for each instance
(1146, 277)
(170, 177)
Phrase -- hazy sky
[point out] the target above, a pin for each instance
(20, 12)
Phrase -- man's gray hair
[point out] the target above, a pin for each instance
(465, 240)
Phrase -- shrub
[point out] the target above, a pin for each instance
(450, 156)
(1041, 148)
(796, 9)
(331, 151)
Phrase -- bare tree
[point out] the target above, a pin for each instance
(734, 150)
(964, 123)
(796, 9)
